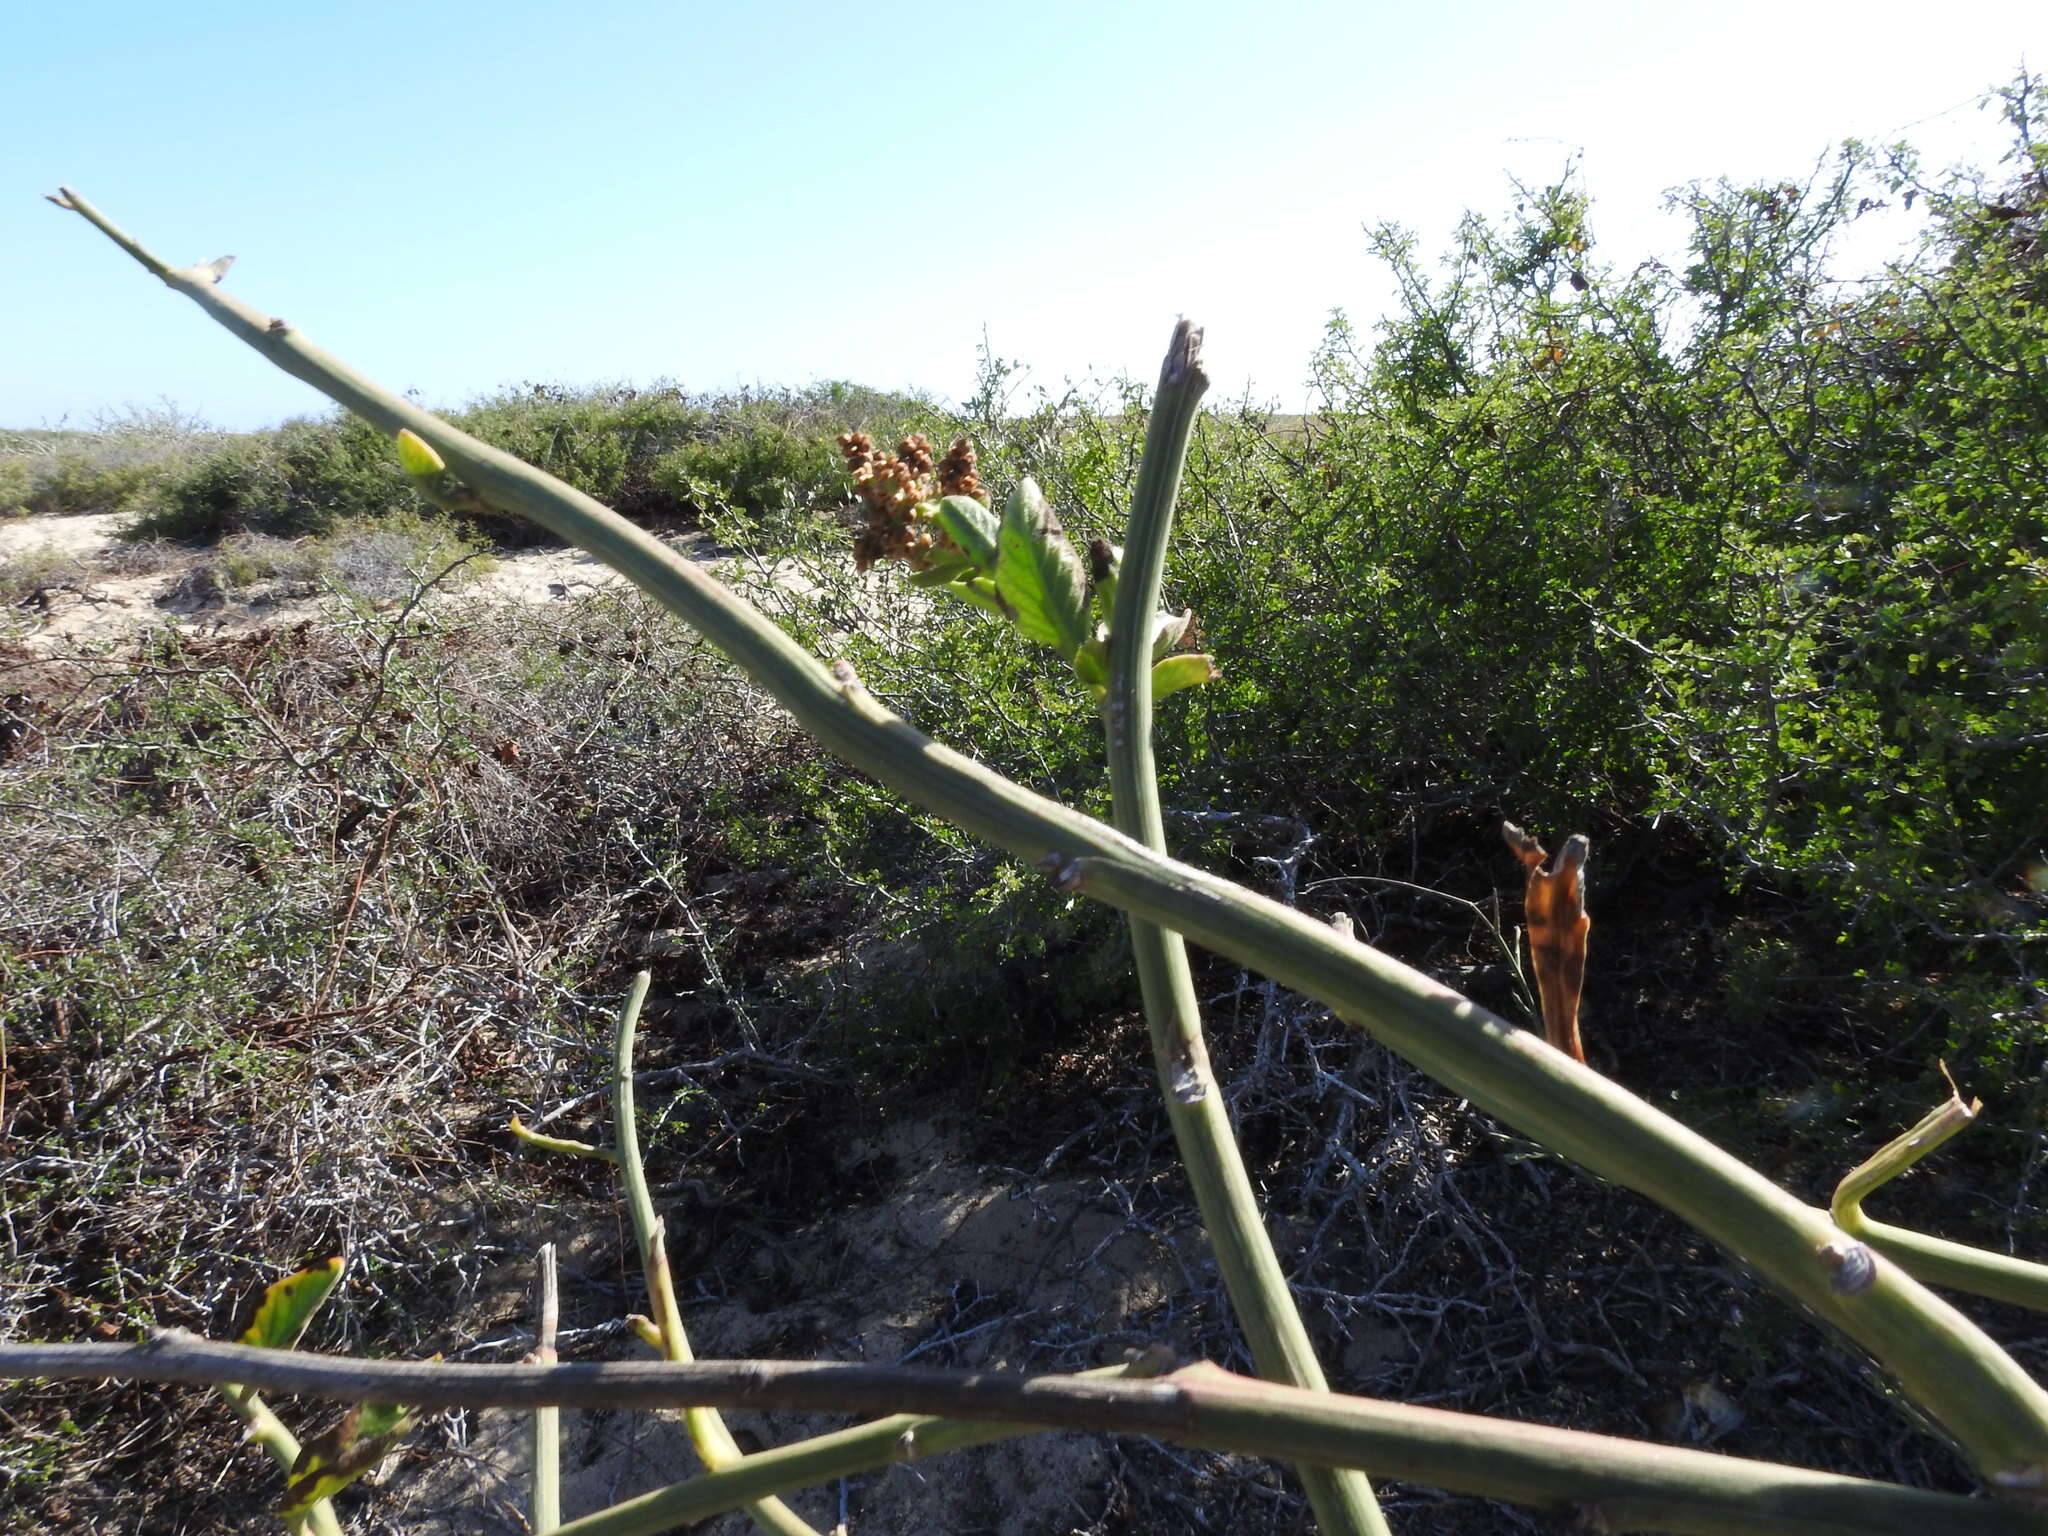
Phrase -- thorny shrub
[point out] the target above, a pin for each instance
(1740, 558)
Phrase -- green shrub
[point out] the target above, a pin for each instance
(73, 481)
(600, 441)
(657, 455)
(17, 479)
(301, 478)
(1736, 555)
(109, 468)
(751, 472)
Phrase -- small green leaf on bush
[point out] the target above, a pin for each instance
(1039, 574)
(289, 1305)
(1183, 671)
(381, 1419)
(417, 454)
(944, 568)
(973, 527)
(958, 579)
(328, 1463)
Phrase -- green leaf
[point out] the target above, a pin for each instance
(417, 455)
(1182, 671)
(382, 1419)
(1091, 665)
(1169, 630)
(943, 569)
(289, 1305)
(981, 592)
(1039, 575)
(328, 1463)
(973, 528)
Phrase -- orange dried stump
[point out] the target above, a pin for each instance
(1554, 912)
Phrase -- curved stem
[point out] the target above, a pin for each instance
(1934, 1260)
(268, 1431)
(902, 1437)
(713, 1442)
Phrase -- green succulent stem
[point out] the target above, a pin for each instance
(901, 1437)
(712, 1441)
(545, 1505)
(267, 1430)
(1934, 1260)
(1343, 1500)
(1944, 1362)
(1609, 1484)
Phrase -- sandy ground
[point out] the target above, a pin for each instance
(72, 535)
(959, 1264)
(91, 602)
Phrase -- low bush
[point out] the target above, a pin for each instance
(662, 457)
(69, 483)
(17, 481)
(108, 468)
(302, 478)
(749, 474)
(29, 570)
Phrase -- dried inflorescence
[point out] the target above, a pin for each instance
(957, 473)
(894, 488)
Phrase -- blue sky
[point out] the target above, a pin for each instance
(457, 197)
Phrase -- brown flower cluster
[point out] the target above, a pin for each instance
(957, 476)
(893, 488)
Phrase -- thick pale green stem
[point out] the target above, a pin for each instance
(713, 1442)
(1943, 1361)
(1934, 1260)
(268, 1431)
(1609, 1484)
(902, 1437)
(1280, 1345)
(546, 1504)
(1938, 1261)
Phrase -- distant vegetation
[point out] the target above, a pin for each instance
(1737, 557)
(1740, 553)
(658, 454)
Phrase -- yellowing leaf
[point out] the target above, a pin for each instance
(328, 1463)
(418, 455)
(522, 1132)
(1182, 671)
(289, 1305)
